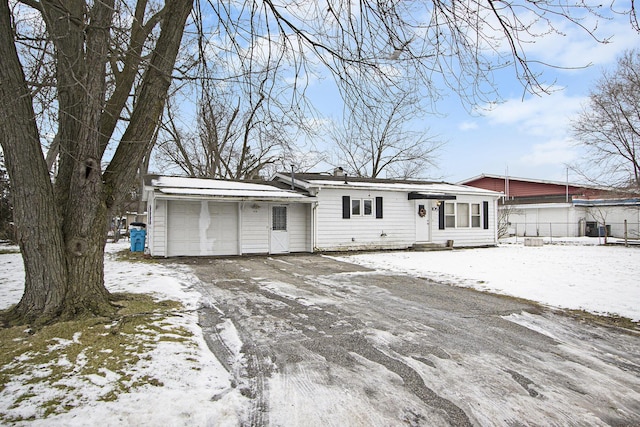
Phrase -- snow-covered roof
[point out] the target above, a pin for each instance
(221, 189)
(311, 180)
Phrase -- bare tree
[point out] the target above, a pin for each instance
(504, 219)
(112, 64)
(376, 140)
(61, 226)
(239, 134)
(608, 128)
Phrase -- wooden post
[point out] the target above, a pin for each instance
(626, 241)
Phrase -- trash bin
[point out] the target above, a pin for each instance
(601, 231)
(137, 236)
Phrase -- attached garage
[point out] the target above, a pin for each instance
(202, 228)
(206, 217)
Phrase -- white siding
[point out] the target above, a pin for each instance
(556, 220)
(299, 227)
(157, 227)
(396, 229)
(615, 217)
(470, 236)
(255, 228)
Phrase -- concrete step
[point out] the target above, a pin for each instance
(433, 246)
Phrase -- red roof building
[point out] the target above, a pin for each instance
(523, 190)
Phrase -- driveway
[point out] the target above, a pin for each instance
(327, 343)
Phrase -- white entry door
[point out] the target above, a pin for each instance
(279, 243)
(423, 221)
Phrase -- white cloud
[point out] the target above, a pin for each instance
(553, 152)
(467, 126)
(573, 46)
(547, 115)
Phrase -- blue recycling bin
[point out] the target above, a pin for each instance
(137, 237)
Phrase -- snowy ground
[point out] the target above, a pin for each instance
(197, 394)
(595, 278)
(574, 274)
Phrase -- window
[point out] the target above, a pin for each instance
(462, 215)
(361, 207)
(279, 218)
(368, 206)
(450, 215)
(475, 215)
(355, 207)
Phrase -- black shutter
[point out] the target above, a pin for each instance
(378, 207)
(441, 216)
(485, 214)
(346, 207)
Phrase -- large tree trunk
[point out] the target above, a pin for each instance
(37, 221)
(62, 227)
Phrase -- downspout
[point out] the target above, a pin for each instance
(314, 228)
(240, 209)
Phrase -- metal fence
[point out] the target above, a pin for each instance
(621, 230)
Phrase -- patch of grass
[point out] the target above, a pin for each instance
(81, 359)
(127, 255)
(610, 320)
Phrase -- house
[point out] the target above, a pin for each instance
(364, 213)
(313, 212)
(533, 207)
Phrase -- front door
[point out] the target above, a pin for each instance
(279, 243)
(423, 221)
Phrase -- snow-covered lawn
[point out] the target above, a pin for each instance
(198, 391)
(577, 274)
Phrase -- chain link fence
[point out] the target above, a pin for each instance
(621, 230)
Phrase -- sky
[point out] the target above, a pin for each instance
(527, 135)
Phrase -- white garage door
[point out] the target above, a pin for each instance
(202, 228)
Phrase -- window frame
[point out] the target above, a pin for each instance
(452, 212)
(475, 216)
(359, 207)
(448, 216)
(277, 219)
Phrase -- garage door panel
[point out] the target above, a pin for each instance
(202, 228)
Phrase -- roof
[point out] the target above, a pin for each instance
(309, 181)
(531, 180)
(607, 202)
(220, 189)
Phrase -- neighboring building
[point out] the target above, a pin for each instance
(531, 207)
(319, 212)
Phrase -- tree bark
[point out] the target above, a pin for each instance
(62, 227)
(37, 221)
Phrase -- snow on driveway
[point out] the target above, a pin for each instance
(599, 279)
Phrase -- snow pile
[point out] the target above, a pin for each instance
(599, 279)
